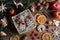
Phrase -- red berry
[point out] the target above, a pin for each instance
(35, 34)
(16, 16)
(29, 17)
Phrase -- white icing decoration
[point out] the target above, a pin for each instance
(22, 17)
(22, 27)
(39, 28)
(56, 23)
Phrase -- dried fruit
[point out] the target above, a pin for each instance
(57, 14)
(41, 19)
(11, 11)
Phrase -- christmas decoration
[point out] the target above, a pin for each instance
(2, 7)
(3, 33)
(21, 20)
(3, 24)
(12, 11)
(32, 7)
(46, 36)
(42, 5)
(56, 22)
(17, 4)
(50, 22)
(24, 21)
(56, 33)
(41, 28)
(56, 14)
(55, 5)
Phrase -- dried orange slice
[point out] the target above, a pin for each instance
(15, 37)
(41, 19)
(37, 15)
(46, 36)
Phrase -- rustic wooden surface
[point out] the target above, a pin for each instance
(48, 16)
